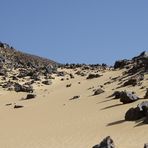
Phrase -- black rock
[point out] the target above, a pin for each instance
(106, 143)
(132, 82)
(128, 97)
(71, 76)
(18, 106)
(68, 85)
(92, 76)
(47, 82)
(138, 112)
(30, 96)
(116, 94)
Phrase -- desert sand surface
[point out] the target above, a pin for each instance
(52, 120)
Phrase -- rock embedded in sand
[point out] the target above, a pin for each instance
(75, 97)
(18, 106)
(47, 82)
(106, 143)
(98, 91)
(132, 81)
(92, 76)
(68, 85)
(30, 96)
(71, 76)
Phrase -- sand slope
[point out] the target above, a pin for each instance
(51, 120)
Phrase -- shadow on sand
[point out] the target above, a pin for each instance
(140, 122)
(116, 122)
(105, 101)
(111, 106)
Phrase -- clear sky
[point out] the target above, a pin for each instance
(76, 31)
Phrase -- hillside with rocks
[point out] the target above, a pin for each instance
(15, 66)
(46, 104)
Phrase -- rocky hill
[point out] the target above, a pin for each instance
(16, 65)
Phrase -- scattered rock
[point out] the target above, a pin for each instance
(8, 104)
(71, 76)
(138, 112)
(68, 85)
(75, 97)
(98, 91)
(30, 96)
(132, 81)
(92, 76)
(23, 88)
(127, 97)
(47, 82)
(18, 106)
(106, 143)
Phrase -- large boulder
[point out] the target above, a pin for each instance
(138, 112)
(128, 97)
(106, 143)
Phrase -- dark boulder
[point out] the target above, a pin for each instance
(138, 112)
(106, 143)
(133, 114)
(128, 97)
(92, 76)
(30, 96)
(132, 81)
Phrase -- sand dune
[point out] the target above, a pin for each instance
(51, 120)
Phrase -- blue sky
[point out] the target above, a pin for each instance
(76, 31)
